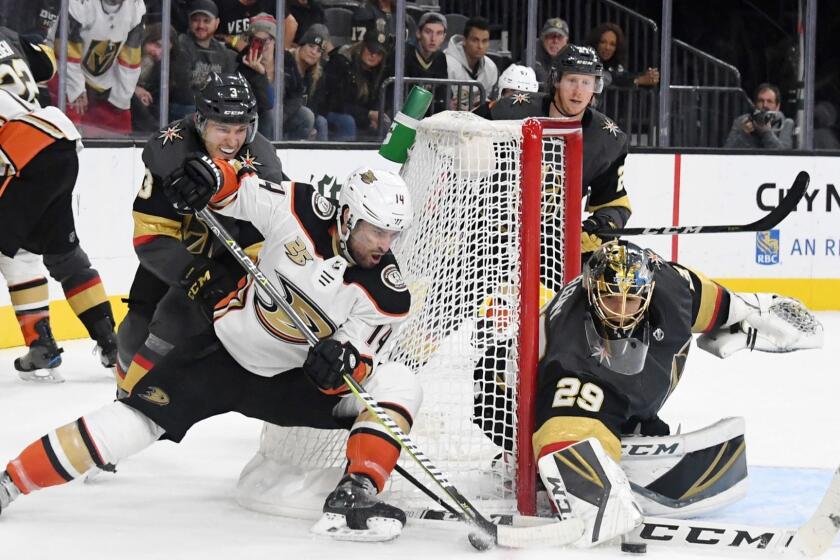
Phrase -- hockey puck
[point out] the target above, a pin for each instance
(634, 548)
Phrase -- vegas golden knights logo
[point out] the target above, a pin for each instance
(368, 177)
(100, 56)
(195, 236)
(278, 324)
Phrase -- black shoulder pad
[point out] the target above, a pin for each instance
(262, 157)
(316, 214)
(167, 149)
(384, 285)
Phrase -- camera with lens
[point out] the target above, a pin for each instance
(764, 117)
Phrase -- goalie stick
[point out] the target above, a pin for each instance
(552, 534)
(811, 539)
(769, 221)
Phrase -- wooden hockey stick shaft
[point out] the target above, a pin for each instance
(769, 221)
(513, 537)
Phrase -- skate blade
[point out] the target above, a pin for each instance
(41, 376)
(334, 526)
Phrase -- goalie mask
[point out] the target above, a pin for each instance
(619, 282)
(377, 197)
(226, 98)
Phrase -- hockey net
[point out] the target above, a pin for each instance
(484, 194)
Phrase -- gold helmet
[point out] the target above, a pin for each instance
(619, 281)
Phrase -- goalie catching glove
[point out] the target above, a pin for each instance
(328, 361)
(764, 322)
(191, 187)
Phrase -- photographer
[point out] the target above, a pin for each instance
(765, 127)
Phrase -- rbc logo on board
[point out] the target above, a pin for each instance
(767, 247)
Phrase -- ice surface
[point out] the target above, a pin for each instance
(177, 501)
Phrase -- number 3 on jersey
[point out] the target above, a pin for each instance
(16, 77)
(570, 392)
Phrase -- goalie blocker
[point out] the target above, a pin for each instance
(615, 346)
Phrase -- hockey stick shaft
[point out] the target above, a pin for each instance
(769, 221)
(503, 537)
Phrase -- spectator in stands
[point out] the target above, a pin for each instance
(466, 59)
(381, 16)
(235, 17)
(825, 117)
(33, 17)
(306, 13)
(609, 42)
(256, 64)
(145, 104)
(354, 75)
(553, 37)
(198, 55)
(765, 126)
(303, 67)
(426, 59)
(100, 80)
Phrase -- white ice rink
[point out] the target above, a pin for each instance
(177, 501)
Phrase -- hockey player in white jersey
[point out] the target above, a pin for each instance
(103, 64)
(335, 267)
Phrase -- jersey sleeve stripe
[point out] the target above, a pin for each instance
(147, 225)
(21, 142)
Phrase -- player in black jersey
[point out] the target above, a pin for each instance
(572, 90)
(169, 244)
(614, 346)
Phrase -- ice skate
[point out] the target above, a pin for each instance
(353, 513)
(44, 356)
(8, 491)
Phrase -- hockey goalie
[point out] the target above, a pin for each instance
(613, 347)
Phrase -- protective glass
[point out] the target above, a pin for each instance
(624, 355)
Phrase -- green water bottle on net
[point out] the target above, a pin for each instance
(404, 128)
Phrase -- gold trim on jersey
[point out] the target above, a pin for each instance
(710, 295)
(253, 251)
(622, 202)
(147, 224)
(716, 470)
(575, 428)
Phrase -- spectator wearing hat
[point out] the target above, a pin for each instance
(426, 59)
(256, 64)
(198, 55)
(307, 13)
(304, 72)
(553, 37)
(354, 75)
(145, 104)
(235, 19)
(466, 59)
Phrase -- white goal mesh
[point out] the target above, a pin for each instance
(462, 261)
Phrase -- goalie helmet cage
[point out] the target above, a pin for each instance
(497, 213)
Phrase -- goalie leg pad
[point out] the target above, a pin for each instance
(584, 482)
(684, 475)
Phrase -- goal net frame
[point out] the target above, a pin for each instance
(263, 487)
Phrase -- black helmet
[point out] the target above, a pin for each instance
(575, 59)
(227, 98)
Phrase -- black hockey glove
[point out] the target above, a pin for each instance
(207, 282)
(328, 361)
(191, 187)
(589, 240)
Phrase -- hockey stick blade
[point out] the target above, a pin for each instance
(769, 221)
(811, 539)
